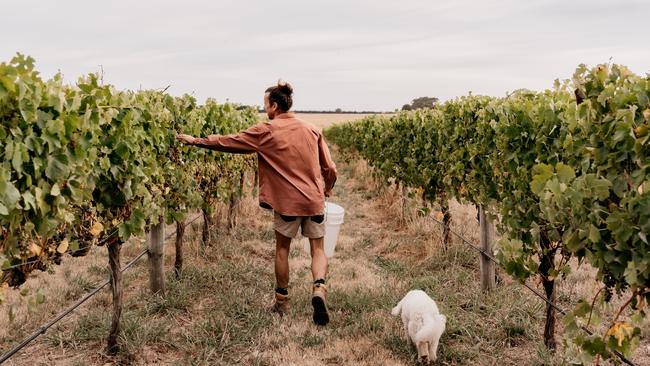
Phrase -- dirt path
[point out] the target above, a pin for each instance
(378, 259)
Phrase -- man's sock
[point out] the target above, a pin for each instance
(282, 291)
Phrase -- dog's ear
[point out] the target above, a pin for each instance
(397, 309)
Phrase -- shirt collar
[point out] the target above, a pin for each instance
(285, 115)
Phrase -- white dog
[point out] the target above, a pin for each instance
(423, 323)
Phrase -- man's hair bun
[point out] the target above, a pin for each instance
(285, 87)
(281, 94)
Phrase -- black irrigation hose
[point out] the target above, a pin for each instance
(37, 260)
(101, 242)
(533, 290)
(70, 309)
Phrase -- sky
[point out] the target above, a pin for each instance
(355, 55)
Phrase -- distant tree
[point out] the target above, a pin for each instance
(422, 102)
(338, 110)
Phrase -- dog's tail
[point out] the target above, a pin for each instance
(433, 327)
(397, 309)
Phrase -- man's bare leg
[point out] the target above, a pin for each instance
(318, 258)
(282, 245)
(319, 271)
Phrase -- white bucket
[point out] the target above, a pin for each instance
(333, 219)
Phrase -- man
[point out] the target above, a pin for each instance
(293, 163)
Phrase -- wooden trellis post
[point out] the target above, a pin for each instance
(487, 237)
(156, 251)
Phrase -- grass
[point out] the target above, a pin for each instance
(216, 312)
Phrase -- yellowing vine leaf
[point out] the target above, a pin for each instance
(63, 246)
(619, 331)
(35, 250)
(96, 229)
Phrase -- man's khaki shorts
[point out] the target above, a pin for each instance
(313, 227)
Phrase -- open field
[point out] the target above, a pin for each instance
(323, 120)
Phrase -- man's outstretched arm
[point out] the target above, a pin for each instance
(245, 142)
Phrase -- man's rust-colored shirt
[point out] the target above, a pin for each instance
(295, 165)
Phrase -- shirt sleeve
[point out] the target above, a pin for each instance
(327, 166)
(245, 142)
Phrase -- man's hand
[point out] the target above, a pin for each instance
(186, 139)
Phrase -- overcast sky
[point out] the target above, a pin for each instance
(355, 55)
